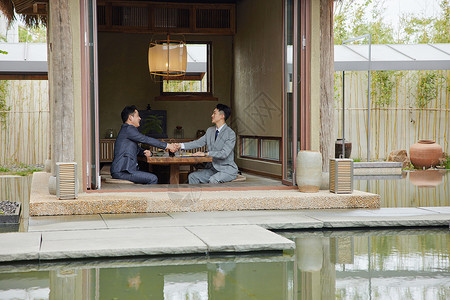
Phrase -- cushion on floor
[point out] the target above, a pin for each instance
(239, 178)
(106, 170)
(118, 181)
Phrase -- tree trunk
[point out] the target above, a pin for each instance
(327, 82)
(61, 82)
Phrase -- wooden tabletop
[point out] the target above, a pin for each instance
(179, 160)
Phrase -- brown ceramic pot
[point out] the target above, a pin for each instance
(338, 149)
(426, 178)
(425, 153)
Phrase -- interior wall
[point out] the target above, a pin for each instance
(258, 65)
(124, 79)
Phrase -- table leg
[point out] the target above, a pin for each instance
(174, 174)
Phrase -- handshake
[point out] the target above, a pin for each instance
(174, 147)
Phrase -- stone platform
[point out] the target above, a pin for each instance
(190, 200)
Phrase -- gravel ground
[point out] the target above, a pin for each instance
(7, 207)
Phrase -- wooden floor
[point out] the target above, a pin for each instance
(252, 181)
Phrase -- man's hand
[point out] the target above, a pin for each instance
(148, 153)
(172, 147)
(199, 154)
(178, 145)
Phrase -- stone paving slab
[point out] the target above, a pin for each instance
(377, 164)
(138, 220)
(119, 242)
(269, 219)
(266, 219)
(401, 211)
(17, 246)
(440, 210)
(45, 223)
(383, 220)
(279, 219)
(240, 238)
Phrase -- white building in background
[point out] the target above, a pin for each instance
(21, 58)
(11, 33)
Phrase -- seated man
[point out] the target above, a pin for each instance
(126, 149)
(220, 140)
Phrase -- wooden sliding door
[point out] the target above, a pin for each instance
(296, 84)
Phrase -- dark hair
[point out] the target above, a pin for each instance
(225, 109)
(128, 110)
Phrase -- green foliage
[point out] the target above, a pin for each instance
(446, 161)
(383, 83)
(416, 29)
(3, 39)
(152, 123)
(32, 34)
(23, 166)
(410, 167)
(357, 159)
(353, 19)
(427, 30)
(4, 108)
(20, 169)
(337, 86)
(426, 88)
(441, 26)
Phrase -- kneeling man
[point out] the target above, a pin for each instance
(220, 140)
(126, 149)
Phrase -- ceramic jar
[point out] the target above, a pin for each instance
(308, 171)
(425, 154)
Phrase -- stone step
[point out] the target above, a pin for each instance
(377, 168)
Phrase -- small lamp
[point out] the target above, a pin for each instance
(167, 58)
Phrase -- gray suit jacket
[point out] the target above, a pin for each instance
(126, 148)
(221, 149)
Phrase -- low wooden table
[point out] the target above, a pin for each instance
(175, 163)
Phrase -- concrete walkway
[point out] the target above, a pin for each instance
(105, 235)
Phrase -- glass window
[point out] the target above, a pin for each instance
(250, 147)
(270, 149)
(196, 79)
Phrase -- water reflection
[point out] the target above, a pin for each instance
(384, 264)
(397, 264)
(428, 188)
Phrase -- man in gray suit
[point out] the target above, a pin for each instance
(126, 149)
(220, 140)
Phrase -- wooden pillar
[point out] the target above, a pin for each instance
(61, 82)
(327, 82)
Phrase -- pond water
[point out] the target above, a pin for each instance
(428, 188)
(376, 264)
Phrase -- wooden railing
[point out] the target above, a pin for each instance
(151, 17)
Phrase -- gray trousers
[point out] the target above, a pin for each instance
(209, 176)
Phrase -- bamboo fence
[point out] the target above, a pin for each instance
(398, 125)
(25, 136)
